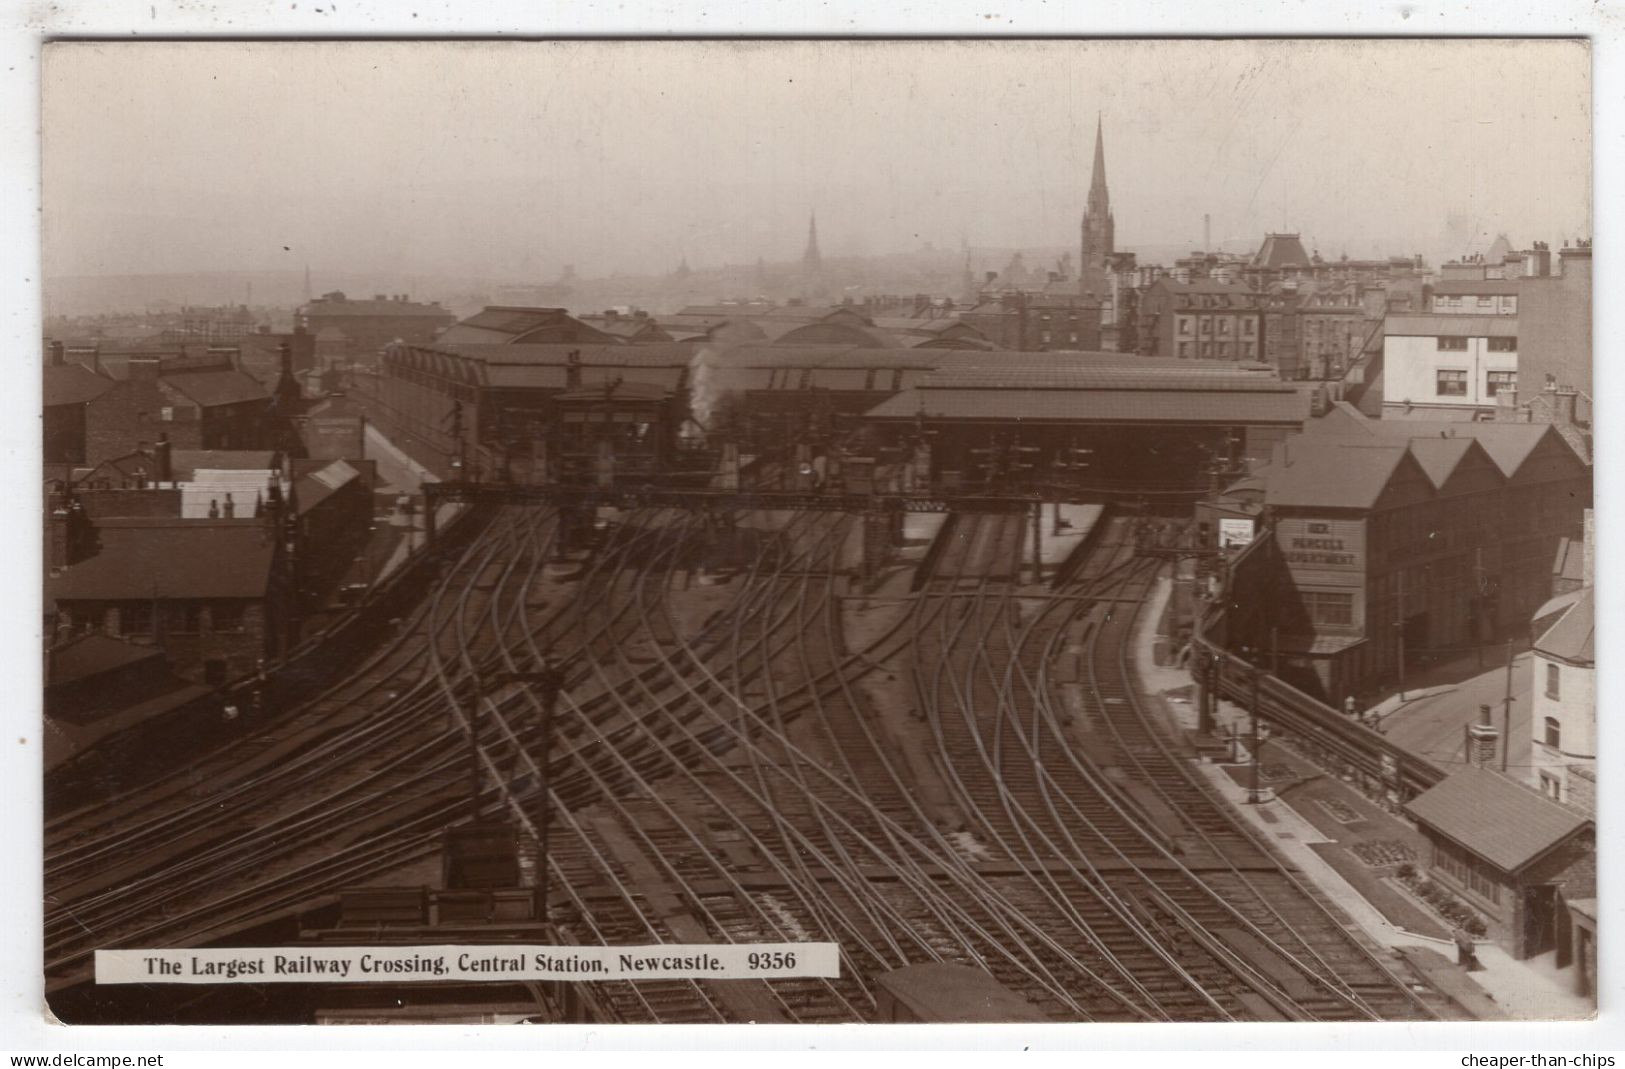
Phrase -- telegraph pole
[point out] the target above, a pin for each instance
(1399, 632)
(1255, 793)
(1506, 714)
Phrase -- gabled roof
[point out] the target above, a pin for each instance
(144, 558)
(224, 387)
(1440, 457)
(1573, 637)
(73, 384)
(1307, 472)
(317, 486)
(1508, 444)
(1096, 406)
(1497, 818)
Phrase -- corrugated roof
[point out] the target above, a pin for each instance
(73, 384)
(1501, 820)
(211, 388)
(1451, 326)
(1097, 406)
(1573, 637)
(169, 558)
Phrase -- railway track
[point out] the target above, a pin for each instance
(733, 780)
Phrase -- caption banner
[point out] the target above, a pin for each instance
(323, 964)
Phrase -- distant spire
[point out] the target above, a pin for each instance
(811, 260)
(1099, 242)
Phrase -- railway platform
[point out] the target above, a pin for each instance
(1346, 845)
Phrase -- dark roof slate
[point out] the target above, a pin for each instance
(1506, 823)
(171, 558)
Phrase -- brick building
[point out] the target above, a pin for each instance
(196, 402)
(1201, 320)
(1409, 539)
(1510, 853)
(1554, 326)
(1054, 317)
(210, 593)
(69, 390)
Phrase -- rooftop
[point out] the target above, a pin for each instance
(1450, 326)
(1097, 405)
(73, 384)
(1497, 818)
(143, 558)
(220, 387)
(93, 654)
(1573, 637)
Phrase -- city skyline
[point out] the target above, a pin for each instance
(1314, 138)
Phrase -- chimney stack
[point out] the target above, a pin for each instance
(1482, 740)
(230, 510)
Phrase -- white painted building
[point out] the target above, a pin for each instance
(1444, 366)
(1564, 720)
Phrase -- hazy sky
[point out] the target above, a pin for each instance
(508, 160)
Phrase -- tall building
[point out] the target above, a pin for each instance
(1099, 237)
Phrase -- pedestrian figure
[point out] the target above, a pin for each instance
(1466, 955)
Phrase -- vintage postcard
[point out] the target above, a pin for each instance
(818, 531)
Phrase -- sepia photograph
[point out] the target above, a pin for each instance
(817, 531)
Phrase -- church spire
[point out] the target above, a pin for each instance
(810, 260)
(1099, 243)
(1097, 182)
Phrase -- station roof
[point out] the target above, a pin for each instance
(1052, 405)
(183, 462)
(659, 354)
(1451, 326)
(1506, 823)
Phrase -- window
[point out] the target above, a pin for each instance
(1486, 302)
(1249, 327)
(135, 618)
(1553, 689)
(1185, 325)
(1550, 787)
(1207, 325)
(1451, 383)
(183, 617)
(1224, 327)
(1466, 870)
(1184, 350)
(226, 616)
(1503, 345)
(1045, 337)
(1509, 306)
(167, 414)
(1500, 380)
(1073, 338)
(1554, 733)
(1452, 345)
(1328, 609)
